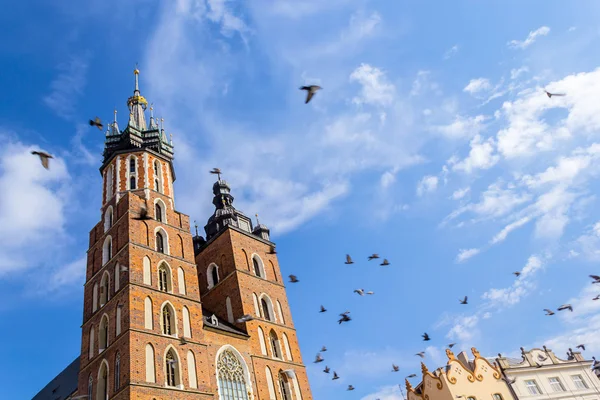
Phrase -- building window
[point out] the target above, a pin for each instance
(102, 391)
(107, 250)
(471, 398)
(132, 182)
(265, 309)
(150, 375)
(157, 177)
(579, 382)
(90, 387)
(109, 183)
(275, 347)
(556, 384)
(212, 275)
(168, 320)
(108, 218)
(170, 369)
(164, 279)
(284, 386)
(533, 387)
(103, 336)
(158, 212)
(215, 275)
(497, 396)
(117, 372)
(104, 288)
(232, 382)
(160, 247)
(132, 165)
(258, 268)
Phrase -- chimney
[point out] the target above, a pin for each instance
(464, 358)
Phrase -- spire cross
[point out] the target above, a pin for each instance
(115, 111)
(136, 72)
(196, 226)
(162, 120)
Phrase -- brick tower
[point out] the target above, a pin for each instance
(161, 309)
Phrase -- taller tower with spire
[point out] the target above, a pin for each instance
(161, 314)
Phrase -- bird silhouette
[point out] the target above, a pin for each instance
(323, 348)
(245, 318)
(294, 279)
(373, 256)
(395, 368)
(350, 387)
(385, 262)
(44, 158)
(326, 370)
(565, 307)
(310, 91)
(360, 292)
(421, 354)
(597, 297)
(549, 312)
(97, 123)
(349, 259)
(335, 376)
(318, 358)
(517, 274)
(451, 345)
(323, 309)
(581, 346)
(143, 215)
(553, 94)
(463, 301)
(596, 278)
(370, 292)
(345, 318)
(412, 376)
(425, 337)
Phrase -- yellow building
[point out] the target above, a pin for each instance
(461, 378)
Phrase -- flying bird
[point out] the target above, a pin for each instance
(517, 274)
(345, 318)
(581, 346)
(97, 123)
(451, 345)
(349, 259)
(596, 278)
(294, 279)
(323, 348)
(373, 256)
(361, 292)
(44, 158)
(597, 297)
(335, 376)
(326, 370)
(143, 215)
(318, 358)
(565, 307)
(323, 309)
(425, 337)
(310, 91)
(395, 368)
(463, 301)
(385, 262)
(350, 387)
(421, 354)
(549, 312)
(553, 94)
(245, 318)
(412, 376)
(370, 292)
(345, 313)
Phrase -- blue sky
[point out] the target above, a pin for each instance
(432, 144)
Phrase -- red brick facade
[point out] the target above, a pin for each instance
(187, 292)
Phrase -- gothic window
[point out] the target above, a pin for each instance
(95, 297)
(232, 381)
(148, 313)
(90, 387)
(117, 372)
(158, 212)
(191, 364)
(164, 278)
(109, 183)
(284, 386)
(267, 308)
(261, 338)
(286, 344)
(104, 288)
(102, 391)
(147, 271)
(103, 334)
(107, 250)
(132, 183)
(212, 275)
(160, 247)
(275, 347)
(172, 368)
(157, 177)
(132, 165)
(181, 280)
(108, 218)
(215, 275)
(91, 346)
(187, 330)
(118, 320)
(168, 320)
(280, 312)
(150, 375)
(259, 269)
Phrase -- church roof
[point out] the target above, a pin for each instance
(62, 386)
(221, 325)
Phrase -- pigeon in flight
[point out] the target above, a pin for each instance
(517, 274)
(44, 158)
(245, 318)
(373, 256)
(318, 358)
(361, 292)
(310, 91)
(581, 346)
(345, 318)
(463, 301)
(323, 348)
(294, 279)
(553, 94)
(335, 376)
(425, 337)
(143, 215)
(370, 292)
(451, 345)
(421, 354)
(565, 307)
(549, 312)
(326, 370)
(385, 262)
(350, 387)
(596, 278)
(348, 259)
(97, 123)
(412, 376)
(323, 309)
(597, 297)
(395, 368)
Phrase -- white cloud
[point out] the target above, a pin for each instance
(375, 87)
(59, 280)
(464, 328)
(523, 285)
(481, 156)
(478, 85)
(451, 52)
(531, 38)
(428, 184)
(572, 28)
(465, 254)
(385, 393)
(423, 84)
(460, 193)
(516, 72)
(501, 236)
(67, 86)
(387, 179)
(462, 127)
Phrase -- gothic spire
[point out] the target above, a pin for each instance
(137, 105)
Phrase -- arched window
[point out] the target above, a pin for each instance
(104, 288)
(103, 334)
(91, 347)
(160, 246)
(275, 346)
(231, 376)
(212, 275)
(270, 383)
(95, 297)
(259, 269)
(107, 250)
(187, 330)
(286, 344)
(158, 212)
(147, 272)
(172, 369)
(108, 218)
(169, 325)
(150, 375)
(117, 276)
(256, 309)
(90, 387)
(117, 372)
(132, 165)
(164, 278)
(181, 280)
(157, 177)
(261, 339)
(118, 320)
(280, 312)
(284, 386)
(148, 313)
(191, 364)
(102, 390)
(109, 182)
(132, 183)
(267, 308)
(131, 173)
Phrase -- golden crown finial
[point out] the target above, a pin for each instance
(475, 352)
(424, 368)
(450, 354)
(136, 71)
(408, 385)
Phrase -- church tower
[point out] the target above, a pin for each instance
(161, 315)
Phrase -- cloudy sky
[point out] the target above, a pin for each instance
(432, 143)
